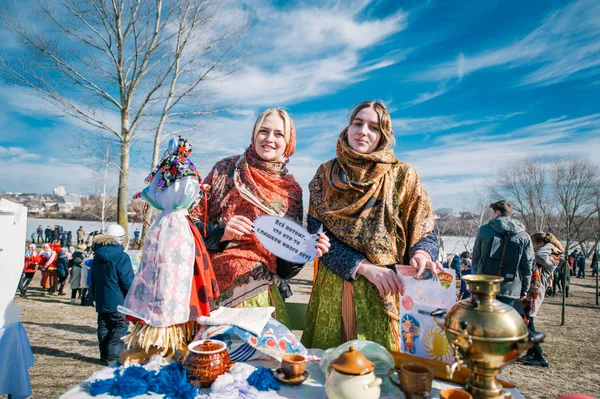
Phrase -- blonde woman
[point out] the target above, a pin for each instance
(242, 187)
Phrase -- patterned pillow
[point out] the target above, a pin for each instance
(274, 341)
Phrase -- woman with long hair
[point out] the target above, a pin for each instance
(548, 255)
(379, 216)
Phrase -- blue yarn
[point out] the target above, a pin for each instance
(263, 379)
(100, 387)
(170, 381)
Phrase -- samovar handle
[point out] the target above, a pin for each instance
(439, 313)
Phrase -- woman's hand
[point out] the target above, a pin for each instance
(238, 226)
(385, 280)
(421, 260)
(323, 245)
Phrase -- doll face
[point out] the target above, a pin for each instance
(364, 132)
(269, 142)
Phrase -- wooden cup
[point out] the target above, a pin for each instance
(415, 380)
(293, 366)
(453, 393)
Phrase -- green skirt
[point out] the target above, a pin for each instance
(323, 328)
(269, 297)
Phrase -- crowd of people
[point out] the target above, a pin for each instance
(58, 235)
(58, 266)
(370, 213)
(532, 266)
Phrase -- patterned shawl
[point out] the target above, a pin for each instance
(249, 186)
(373, 203)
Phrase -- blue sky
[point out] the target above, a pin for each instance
(472, 85)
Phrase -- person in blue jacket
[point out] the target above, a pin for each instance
(455, 265)
(112, 275)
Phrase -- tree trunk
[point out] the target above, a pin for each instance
(597, 292)
(147, 217)
(123, 188)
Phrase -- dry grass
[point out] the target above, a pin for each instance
(63, 339)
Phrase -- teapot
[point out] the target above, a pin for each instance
(352, 376)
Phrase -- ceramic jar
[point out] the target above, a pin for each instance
(206, 360)
(352, 376)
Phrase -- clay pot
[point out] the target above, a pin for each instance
(206, 360)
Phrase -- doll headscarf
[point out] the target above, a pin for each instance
(175, 164)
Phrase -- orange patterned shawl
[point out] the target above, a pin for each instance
(246, 185)
(373, 203)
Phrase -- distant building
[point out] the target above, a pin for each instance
(59, 191)
(51, 207)
(68, 202)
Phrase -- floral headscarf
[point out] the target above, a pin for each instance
(175, 164)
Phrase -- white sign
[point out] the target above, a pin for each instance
(13, 220)
(420, 335)
(286, 239)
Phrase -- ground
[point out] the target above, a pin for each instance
(63, 340)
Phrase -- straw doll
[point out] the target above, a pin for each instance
(175, 283)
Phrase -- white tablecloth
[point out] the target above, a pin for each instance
(15, 360)
(312, 388)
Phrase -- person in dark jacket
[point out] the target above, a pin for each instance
(491, 238)
(75, 264)
(581, 266)
(465, 264)
(48, 235)
(112, 276)
(573, 262)
(595, 264)
(62, 271)
(455, 265)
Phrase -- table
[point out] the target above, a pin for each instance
(15, 360)
(312, 388)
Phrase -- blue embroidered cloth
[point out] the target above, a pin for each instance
(15, 360)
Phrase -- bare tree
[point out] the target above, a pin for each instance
(525, 185)
(109, 63)
(575, 184)
(475, 215)
(191, 68)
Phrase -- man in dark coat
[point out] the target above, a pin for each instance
(581, 266)
(112, 276)
(504, 235)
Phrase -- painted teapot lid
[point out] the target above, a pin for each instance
(207, 346)
(353, 362)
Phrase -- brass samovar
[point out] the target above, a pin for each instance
(486, 334)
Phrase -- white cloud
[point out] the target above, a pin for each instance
(11, 151)
(316, 50)
(463, 161)
(565, 44)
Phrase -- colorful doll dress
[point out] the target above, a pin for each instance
(175, 283)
